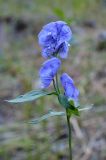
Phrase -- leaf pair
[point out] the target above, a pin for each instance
(70, 107)
(33, 95)
(54, 113)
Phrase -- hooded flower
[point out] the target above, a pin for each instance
(70, 90)
(48, 71)
(54, 38)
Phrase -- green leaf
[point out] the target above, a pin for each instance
(63, 101)
(30, 96)
(68, 105)
(86, 108)
(73, 111)
(71, 103)
(46, 116)
(69, 21)
(59, 13)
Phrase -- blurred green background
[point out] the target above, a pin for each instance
(20, 60)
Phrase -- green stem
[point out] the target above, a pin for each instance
(57, 84)
(55, 88)
(69, 136)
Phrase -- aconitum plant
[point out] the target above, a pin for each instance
(54, 41)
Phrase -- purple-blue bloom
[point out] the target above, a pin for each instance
(70, 90)
(48, 71)
(54, 38)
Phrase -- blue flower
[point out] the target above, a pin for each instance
(48, 71)
(70, 90)
(54, 38)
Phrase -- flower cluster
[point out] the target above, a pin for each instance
(54, 41)
(54, 38)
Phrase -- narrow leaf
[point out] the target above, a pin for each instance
(30, 96)
(46, 116)
(86, 108)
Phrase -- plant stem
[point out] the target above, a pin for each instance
(57, 84)
(55, 88)
(69, 135)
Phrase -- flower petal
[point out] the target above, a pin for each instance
(66, 79)
(63, 50)
(47, 52)
(70, 90)
(48, 71)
